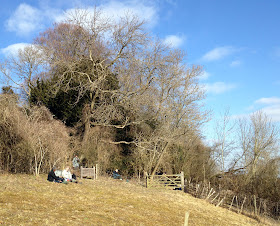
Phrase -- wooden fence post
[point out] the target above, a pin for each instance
(255, 205)
(186, 219)
(232, 202)
(242, 205)
(96, 171)
(220, 202)
(146, 175)
(182, 181)
(237, 203)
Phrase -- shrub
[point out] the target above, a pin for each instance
(31, 141)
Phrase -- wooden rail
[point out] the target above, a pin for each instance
(174, 181)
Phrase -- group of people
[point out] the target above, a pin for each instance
(66, 175)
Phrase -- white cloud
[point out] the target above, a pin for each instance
(143, 11)
(13, 49)
(271, 108)
(174, 40)
(269, 100)
(273, 112)
(204, 75)
(235, 63)
(27, 19)
(24, 20)
(218, 87)
(218, 53)
(269, 105)
(114, 9)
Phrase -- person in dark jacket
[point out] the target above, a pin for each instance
(116, 174)
(53, 178)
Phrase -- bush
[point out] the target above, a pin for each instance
(30, 141)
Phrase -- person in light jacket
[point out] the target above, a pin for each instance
(67, 175)
(76, 162)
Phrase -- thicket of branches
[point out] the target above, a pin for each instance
(250, 147)
(131, 101)
(31, 141)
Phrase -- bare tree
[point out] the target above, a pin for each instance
(153, 84)
(224, 143)
(132, 79)
(259, 141)
(22, 68)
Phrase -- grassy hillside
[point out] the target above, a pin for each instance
(30, 200)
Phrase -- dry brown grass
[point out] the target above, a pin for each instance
(30, 200)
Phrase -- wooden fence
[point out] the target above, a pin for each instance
(174, 181)
(239, 203)
(89, 172)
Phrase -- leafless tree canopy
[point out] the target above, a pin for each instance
(134, 82)
(151, 81)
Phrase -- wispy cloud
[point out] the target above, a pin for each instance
(174, 40)
(269, 100)
(218, 53)
(235, 63)
(144, 11)
(24, 20)
(219, 87)
(13, 49)
(269, 105)
(204, 75)
(273, 111)
(27, 19)
(114, 9)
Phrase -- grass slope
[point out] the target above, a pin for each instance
(30, 200)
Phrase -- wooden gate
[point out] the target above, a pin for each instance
(174, 181)
(89, 172)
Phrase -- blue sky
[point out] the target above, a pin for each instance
(236, 41)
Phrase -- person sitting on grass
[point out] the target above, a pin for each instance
(53, 178)
(116, 175)
(67, 175)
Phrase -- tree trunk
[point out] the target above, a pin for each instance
(86, 119)
(160, 158)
